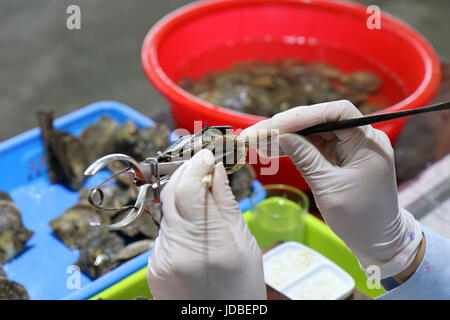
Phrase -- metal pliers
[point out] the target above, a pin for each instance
(148, 175)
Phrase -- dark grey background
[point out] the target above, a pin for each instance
(43, 64)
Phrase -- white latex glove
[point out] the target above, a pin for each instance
(352, 176)
(204, 249)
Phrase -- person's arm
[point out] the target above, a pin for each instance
(430, 278)
(408, 272)
(351, 174)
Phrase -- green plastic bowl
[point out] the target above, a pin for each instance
(318, 236)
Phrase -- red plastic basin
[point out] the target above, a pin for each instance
(212, 35)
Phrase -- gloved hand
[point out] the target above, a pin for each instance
(352, 176)
(204, 249)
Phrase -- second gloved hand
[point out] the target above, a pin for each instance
(352, 176)
(204, 249)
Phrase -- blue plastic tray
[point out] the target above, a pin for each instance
(44, 267)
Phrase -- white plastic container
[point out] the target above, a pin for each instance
(301, 273)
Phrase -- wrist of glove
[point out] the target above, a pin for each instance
(351, 174)
(404, 242)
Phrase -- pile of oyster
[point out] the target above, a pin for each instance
(13, 235)
(67, 159)
(103, 250)
(11, 290)
(264, 89)
(13, 238)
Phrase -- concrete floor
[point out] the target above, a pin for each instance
(43, 64)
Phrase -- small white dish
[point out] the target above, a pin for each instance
(301, 273)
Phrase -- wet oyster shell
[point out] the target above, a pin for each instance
(66, 155)
(99, 138)
(98, 252)
(141, 143)
(2, 272)
(261, 88)
(74, 224)
(241, 182)
(5, 196)
(216, 139)
(114, 195)
(13, 234)
(145, 224)
(11, 290)
(134, 249)
(148, 223)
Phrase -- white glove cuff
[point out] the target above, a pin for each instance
(404, 258)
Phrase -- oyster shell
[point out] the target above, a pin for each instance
(74, 224)
(241, 182)
(114, 195)
(141, 143)
(361, 81)
(147, 224)
(13, 234)
(217, 139)
(66, 155)
(11, 290)
(5, 196)
(134, 249)
(265, 89)
(99, 138)
(98, 252)
(2, 272)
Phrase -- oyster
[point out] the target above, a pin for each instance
(11, 290)
(217, 139)
(134, 249)
(13, 235)
(127, 138)
(153, 139)
(130, 231)
(241, 182)
(361, 81)
(5, 196)
(114, 195)
(74, 224)
(146, 224)
(367, 108)
(66, 155)
(2, 272)
(98, 252)
(99, 138)
(141, 143)
(265, 89)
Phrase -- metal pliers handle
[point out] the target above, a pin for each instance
(145, 175)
